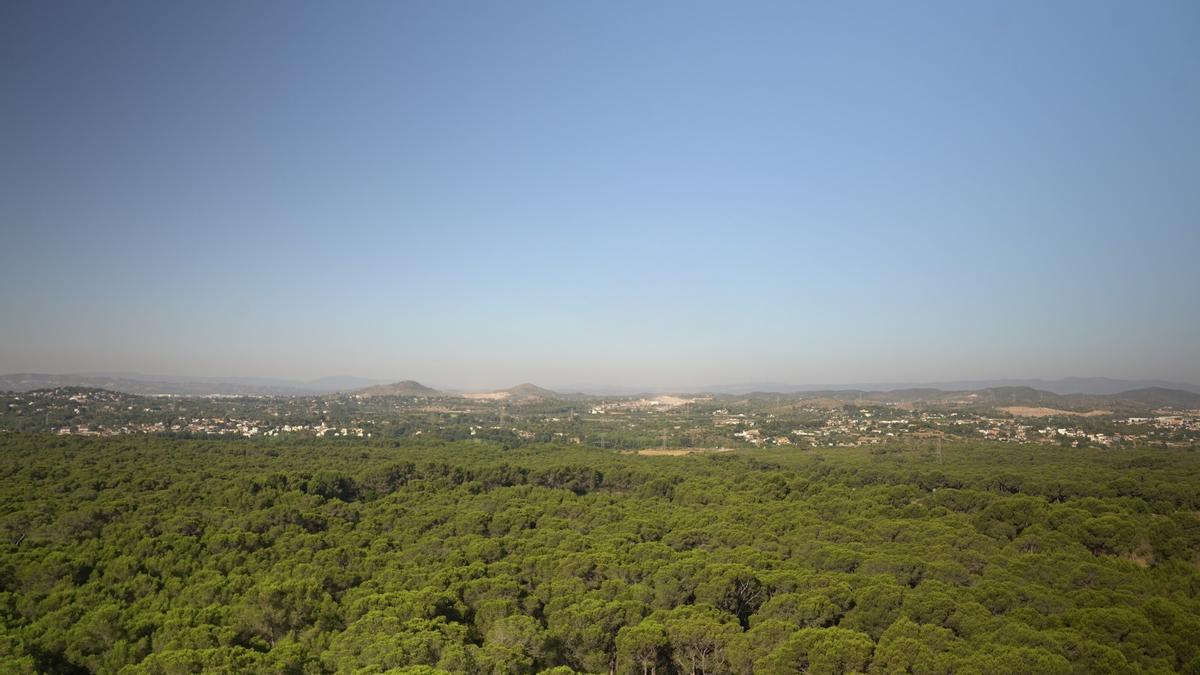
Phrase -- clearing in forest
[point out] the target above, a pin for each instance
(675, 452)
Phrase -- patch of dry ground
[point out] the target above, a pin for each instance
(675, 452)
(488, 396)
(830, 403)
(1026, 411)
(671, 401)
(1141, 560)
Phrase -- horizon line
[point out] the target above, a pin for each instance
(767, 386)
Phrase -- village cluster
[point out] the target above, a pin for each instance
(697, 422)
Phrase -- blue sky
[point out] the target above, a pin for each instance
(476, 194)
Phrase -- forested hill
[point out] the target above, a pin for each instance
(148, 555)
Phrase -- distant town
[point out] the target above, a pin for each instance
(661, 423)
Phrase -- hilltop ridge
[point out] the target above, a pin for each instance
(401, 388)
(521, 393)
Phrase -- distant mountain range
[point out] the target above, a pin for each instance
(138, 383)
(1130, 400)
(1065, 394)
(150, 385)
(1100, 386)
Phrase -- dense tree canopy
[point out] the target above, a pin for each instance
(143, 554)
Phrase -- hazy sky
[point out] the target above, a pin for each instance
(476, 194)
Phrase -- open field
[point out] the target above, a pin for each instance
(679, 452)
(1028, 411)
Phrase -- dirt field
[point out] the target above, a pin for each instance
(675, 452)
(1025, 411)
(488, 396)
(829, 403)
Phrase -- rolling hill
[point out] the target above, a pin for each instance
(522, 393)
(1162, 397)
(1133, 400)
(182, 385)
(410, 388)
